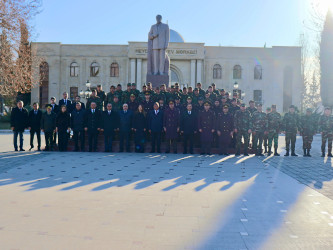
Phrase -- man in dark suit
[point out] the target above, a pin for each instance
(155, 126)
(54, 106)
(92, 121)
(110, 122)
(125, 126)
(65, 101)
(35, 117)
(77, 125)
(188, 127)
(78, 99)
(18, 122)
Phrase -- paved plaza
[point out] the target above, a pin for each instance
(52, 200)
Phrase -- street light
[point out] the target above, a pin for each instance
(236, 85)
(86, 94)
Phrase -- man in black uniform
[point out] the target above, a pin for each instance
(224, 129)
(188, 127)
(35, 117)
(92, 121)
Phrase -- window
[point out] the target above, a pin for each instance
(237, 72)
(258, 72)
(114, 70)
(94, 69)
(73, 92)
(74, 69)
(217, 71)
(257, 96)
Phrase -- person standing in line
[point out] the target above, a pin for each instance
(224, 127)
(48, 126)
(19, 122)
(110, 123)
(139, 125)
(155, 127)
(63, 128)
(188, 127)
(206, 127)
(92, 125)
(171, 127)
(125, 126)
(77, 125)
(326, 129)
(35, 117)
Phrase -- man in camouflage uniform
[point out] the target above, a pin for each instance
(290, 125)
(242, 126)
(326, 129)
(268, 110)
(251, 109)
(96, 99)
(127, 93)
(308, 129)
(135, 91)
(273, 129)
(109, 96)
(259, 129)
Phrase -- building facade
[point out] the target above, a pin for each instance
(265, 75)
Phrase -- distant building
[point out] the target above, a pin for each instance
(266, 75)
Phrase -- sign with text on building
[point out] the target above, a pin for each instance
(176, 52)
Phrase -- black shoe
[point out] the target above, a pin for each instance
(31, 148)
(158, 151)
(21, 149)
(209, 153)
(16, 149)
(287, 153)
(293, 153)
(167, 152)
(38, 149)
(329, 155)
(308, 153)
(304, 153)
(276, 153)
(202, 153)
(237, 154)
(323, 154)
(153, 151)
(246, 154)
(226, 154)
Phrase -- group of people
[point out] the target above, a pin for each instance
(193, 116)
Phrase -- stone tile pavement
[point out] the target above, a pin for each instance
(157, 201)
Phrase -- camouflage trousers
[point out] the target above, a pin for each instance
(290, 141)
(240, 135)
(272, 135)
(265, 140)
(326, 136)
(307, 141)
(257, 141)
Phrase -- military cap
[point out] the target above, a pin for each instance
(309, 110)
(196, 89)
(291, 106)
(98, 85)
(133, 84)
(119, 85)
(132, 95)
(213, 84)
(112, 87)
(147, 93)
(48, 106)
(210, 87)
(115, 96)
(177, 98)
(242, 105)
(251, 101)
(225, 106)
(273, 106)
(149, 83)
(259, 105)
(157, 88)
(207, 103)
(171, 101)
(129, 84)
(163, 85)
(189, 98)
(52, 97)
(268, 108)
(222, 89)
(176, 84)
(201, 98)
(234, 99)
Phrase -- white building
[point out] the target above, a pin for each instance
(266, 75)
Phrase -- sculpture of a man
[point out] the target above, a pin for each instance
(159, 35)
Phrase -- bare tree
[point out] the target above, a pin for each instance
(15, 55)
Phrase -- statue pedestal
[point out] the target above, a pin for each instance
(158, 80)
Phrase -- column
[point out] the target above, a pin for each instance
(193, 73)
(138, 73)
(199, 66)
(132, 70)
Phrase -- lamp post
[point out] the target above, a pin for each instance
(86, 94)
